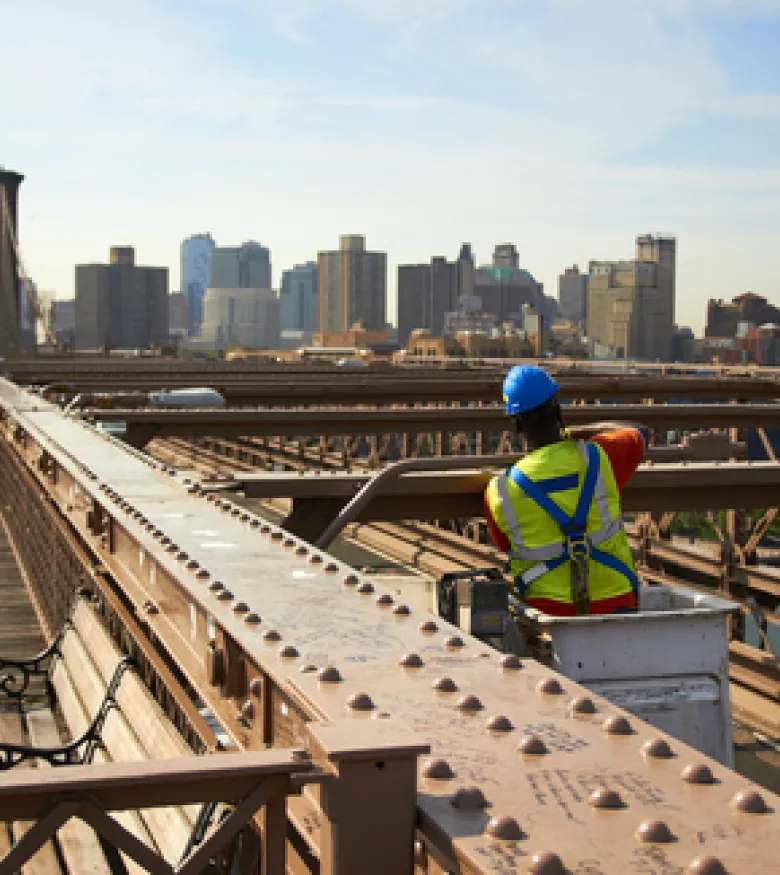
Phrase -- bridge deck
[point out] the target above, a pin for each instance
(20, 632)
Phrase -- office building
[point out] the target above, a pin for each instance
(298, 298)
(10, 284)
(241, 267)
(62, 318)
(245, 317)
(178, 315)
(505, 289)
(121, 305)
(428, 292)
(573, 296)
(631, 303)
(505, 255)
(743, 312)
(196, 254)
(352, 287)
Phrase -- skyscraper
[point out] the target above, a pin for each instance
(196, 253)
(428, 292)
(573, 296)
(298, 298)
(241, 267)
(120, 305)
(10, 285)
(631, 303)
(352, 287)
(504, 287)
(505, 255)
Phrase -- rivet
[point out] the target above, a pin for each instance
(252, 619)
(469, 799)
(384, 600)
(307, 668)
(289, 543)
(182, 556)
(698, 773)
(240, 608)
(216, 586)
(532, 745)
(604, 798)
(315, 559)
(329, 675)
(244, 517)
(428, 627)
(271, 635)
(455, 642)
(438, 769)
(658, 749)
(276, 536)
(706, 866)
(265, 529)
(236, 511)
(151, 608)
(411, 660)
(172, 548)
(546, 863)
(469, 703)
(365, 588)
(225, 595)
(351, 580)
(500, 723)
(654, 831)
(401, 610)
(445, 685)
(749, 802)
(582, 705)
(331, 568)
(248, 710)
(192, 564)
(254, 524)
(210, 497)
(301, 551)
(360, 702)
(549, 687)
(256, 687)
(202, 574)
(506, 828)
(288, 652)
(510, 662)
(617, 726)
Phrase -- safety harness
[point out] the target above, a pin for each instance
(578, 546)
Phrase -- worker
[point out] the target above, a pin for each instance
(557, 511)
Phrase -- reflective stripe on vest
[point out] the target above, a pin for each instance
(574, 529)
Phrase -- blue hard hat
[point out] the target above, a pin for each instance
(527, 387)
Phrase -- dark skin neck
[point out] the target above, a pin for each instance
(543, 438)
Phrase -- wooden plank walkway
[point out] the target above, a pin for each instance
(20, 632)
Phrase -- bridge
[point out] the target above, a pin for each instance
(207, 540)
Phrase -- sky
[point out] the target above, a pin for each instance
(565, 126)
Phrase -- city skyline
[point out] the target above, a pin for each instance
(426, 123)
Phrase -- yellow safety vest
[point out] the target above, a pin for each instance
(560, 501)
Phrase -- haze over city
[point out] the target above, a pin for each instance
(565, 127)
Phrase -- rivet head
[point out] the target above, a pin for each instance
(254, 524)
(365, 588)
(244, 517)
(301, 551)
(401, 610)
(445, 685)
(384, 600)
(499, 723)
(455, 642)
(469, 703)
(654, 831)
(532, 745)
(202, 574)
(331, 568)
(749, 802)
(617, 726)
(546, 863)
(181, 556)
(351, 580)
(411, 660)
(151, 608)
(265, 530)
(506, 828)
(360, 702)
(172, 548)
(706, 866)
(216, 586)
(289, 543)
(698, 773)
(549, 687)
(601, 797)
(582, 705)
(428, 627)
(248, 710)
(256, 687)
(438, 769)
(469, 799)
(225, 595)
(288, 652)
(329, 675)
(276, 536)
(315, 559)
(510, 662)
(308, 668)
(271, 635)
(657, 749)
(252, 619)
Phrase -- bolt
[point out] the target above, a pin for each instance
(225, 595)
(351, 580)
(192, 564)
(360, 702)
(202, 574)
(546, 863)
(500, 723)
(469, 703)
(181, 556)
(655, 832)
(276, 536)
(331, 568)
(604, 798)
(288, 652)
(240, 608)
(510, 662)
(252, 619)
(532, 745)
(454, 642)
(365, 588)
(411, 660)
(506, 828)
(582, 705)
(315, 559)
(254, 524)
(617, 726)
(657, 748)
(698, 773)
(549, 687)
(271, 635)
(329, 675)
(749, 802)
(301, 551)
(445, 685)
(216, 586)
(428, 627)
(469, 799)
(438, 770)
(289, 543)
(384, 600)
(402, 610)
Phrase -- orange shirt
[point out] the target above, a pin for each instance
(625, 450)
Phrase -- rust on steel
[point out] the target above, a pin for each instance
(537, 804)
